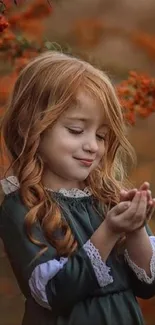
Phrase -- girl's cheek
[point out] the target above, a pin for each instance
(101, 153)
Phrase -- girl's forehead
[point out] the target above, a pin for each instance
(86, 108)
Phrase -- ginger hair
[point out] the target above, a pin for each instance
(45, 88)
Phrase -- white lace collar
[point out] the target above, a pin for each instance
(11, 184)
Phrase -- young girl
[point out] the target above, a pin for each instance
(64, 218)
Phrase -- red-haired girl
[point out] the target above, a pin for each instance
(75, 236)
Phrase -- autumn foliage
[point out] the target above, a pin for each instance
(145, 41)
(21, 38)
(19, 31)
(137, 96)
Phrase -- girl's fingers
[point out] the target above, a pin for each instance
(145, 186)
(150, 210)
(142, 207)
(150, 213)
(140, 214)
(127, 195)
(136, 201)
(119, 208)
(149, 196)
(123, 195)
(138, 206)
(131, 211)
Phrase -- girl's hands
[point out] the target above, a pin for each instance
(129, 195)
(128, 216)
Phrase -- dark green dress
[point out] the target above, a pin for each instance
(73, 294)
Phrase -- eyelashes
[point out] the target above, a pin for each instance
(78, 132)
(73, 131)
(101, 137)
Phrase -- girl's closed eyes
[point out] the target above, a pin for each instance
(79, 131)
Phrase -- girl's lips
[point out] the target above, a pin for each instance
(86, 162)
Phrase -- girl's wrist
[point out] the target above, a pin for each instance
(136, 233)
(104, 240)
(112, 235)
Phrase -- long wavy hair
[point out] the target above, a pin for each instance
(45, 88)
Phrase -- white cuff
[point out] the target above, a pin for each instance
(100, 268)
(40, 277)
(141, 274)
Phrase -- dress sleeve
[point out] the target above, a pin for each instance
(81, 276)
(52, 281)
(141, 274)
(143, 285)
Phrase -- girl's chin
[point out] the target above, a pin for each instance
(81, 178)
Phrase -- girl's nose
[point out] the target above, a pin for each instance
(91, 145)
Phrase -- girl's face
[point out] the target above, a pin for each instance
(74, 146)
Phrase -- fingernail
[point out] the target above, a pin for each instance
(127, 204)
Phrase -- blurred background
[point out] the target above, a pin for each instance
(116, 36)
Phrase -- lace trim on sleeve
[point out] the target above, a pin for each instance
(100, 268)
(141, 274)
(9, 184)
